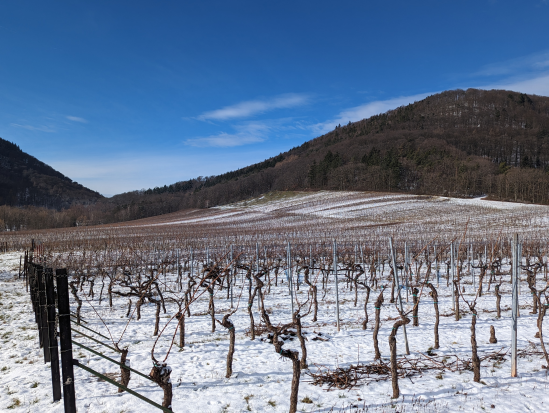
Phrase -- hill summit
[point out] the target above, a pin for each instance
(26, 181)
(461, 143)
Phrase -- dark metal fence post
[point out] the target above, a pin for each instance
(43, 317)
(26, 270)
(34, 293)
(69, 397)
(52, 334)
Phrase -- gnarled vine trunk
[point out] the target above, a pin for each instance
(434, 294)
(393, 347)
(475, 360)
(415, 310)
(125, 374)
(377, 307)
(160, 374)
(365, 322)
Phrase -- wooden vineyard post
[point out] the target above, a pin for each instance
(452, 272)
(290, 286)
(52, 334)
(191, 272)
(337, 286)
(436, 266)
(519, 263)
(177, 270)
(26, 270)
(69, 397)
(471, 266)
(231, 274)
(514, 305)
(257, 272)
(396, 281)
(43, 314)
(33, 286)
(406, 269)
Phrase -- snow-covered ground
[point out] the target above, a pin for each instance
(357, 216)
(261, 379)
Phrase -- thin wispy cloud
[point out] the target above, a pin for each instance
(365, 111)
(530, 63)
(33, 128)
(76, 119)
(537, 85)
(246, 134)
(254, 107)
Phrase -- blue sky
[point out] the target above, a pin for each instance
(124, 95)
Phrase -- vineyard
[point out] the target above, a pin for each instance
(291, 302)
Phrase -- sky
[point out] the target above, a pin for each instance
(126, 95)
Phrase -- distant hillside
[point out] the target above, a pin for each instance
(458, 143)
(26, 181)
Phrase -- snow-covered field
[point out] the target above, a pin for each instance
(355, 216)
(261, 379)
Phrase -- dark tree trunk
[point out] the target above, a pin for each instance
(297, 323)
(157, 319)
(229, 326)
(535, 305)
(542, 311)
(365, 322)
(109, 291)
(498, 300)
(211, 308)
(160, 374)
(493, 339)
(315, 303)
(393, 347)
(181, 317)
(314, 293)
(377, 307)
(475, 360)
(124, 373)
(434, 294)
(78, 300)
(392, 300)
(415, 310)
(101, 292)
(480, 280)
(138, 308)
(250, 313)
(456, 299)
(294, 356)
(187, 305)
(129, 307)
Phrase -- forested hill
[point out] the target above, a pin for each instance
(456, 143)
(26, 181)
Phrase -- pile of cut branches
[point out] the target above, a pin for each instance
(345, 378)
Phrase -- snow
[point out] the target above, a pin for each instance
(481, 201)
(261, 379)
(352, 215)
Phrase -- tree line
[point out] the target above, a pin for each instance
(456, 143)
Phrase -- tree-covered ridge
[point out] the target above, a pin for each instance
(26, 181)
(455, 143)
